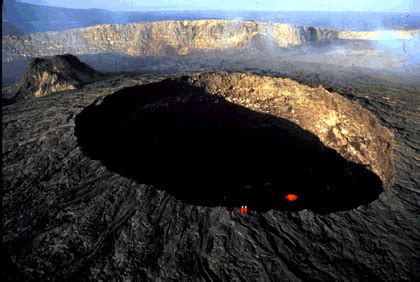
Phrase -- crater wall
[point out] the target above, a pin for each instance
(165, 38)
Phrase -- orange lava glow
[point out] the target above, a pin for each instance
(243, 209)
(291, 197)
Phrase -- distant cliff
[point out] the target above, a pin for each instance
(379, 35)
(166, 38)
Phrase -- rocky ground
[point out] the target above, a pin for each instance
(68, 216)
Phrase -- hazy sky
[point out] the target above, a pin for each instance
(285, 5)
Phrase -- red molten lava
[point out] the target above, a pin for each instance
(243, 210)
(291, 197)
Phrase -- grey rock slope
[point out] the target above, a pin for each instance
(66, 216)
(46, 76)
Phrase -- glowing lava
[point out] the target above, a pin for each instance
(291, 197)
(243, 210)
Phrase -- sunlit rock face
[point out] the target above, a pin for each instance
(169, 38)
(340, 124)
(203, 45)
(162, 38)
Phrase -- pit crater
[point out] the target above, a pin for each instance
(229, 139)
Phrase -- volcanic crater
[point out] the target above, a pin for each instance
(233, 139)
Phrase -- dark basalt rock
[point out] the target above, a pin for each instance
(67, 216)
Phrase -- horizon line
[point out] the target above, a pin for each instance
(214, 9)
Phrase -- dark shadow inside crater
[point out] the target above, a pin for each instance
(207, 151)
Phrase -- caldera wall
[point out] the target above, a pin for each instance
(164, 38)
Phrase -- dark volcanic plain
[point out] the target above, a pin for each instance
(67, 213)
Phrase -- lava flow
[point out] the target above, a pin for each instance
(291, 197)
